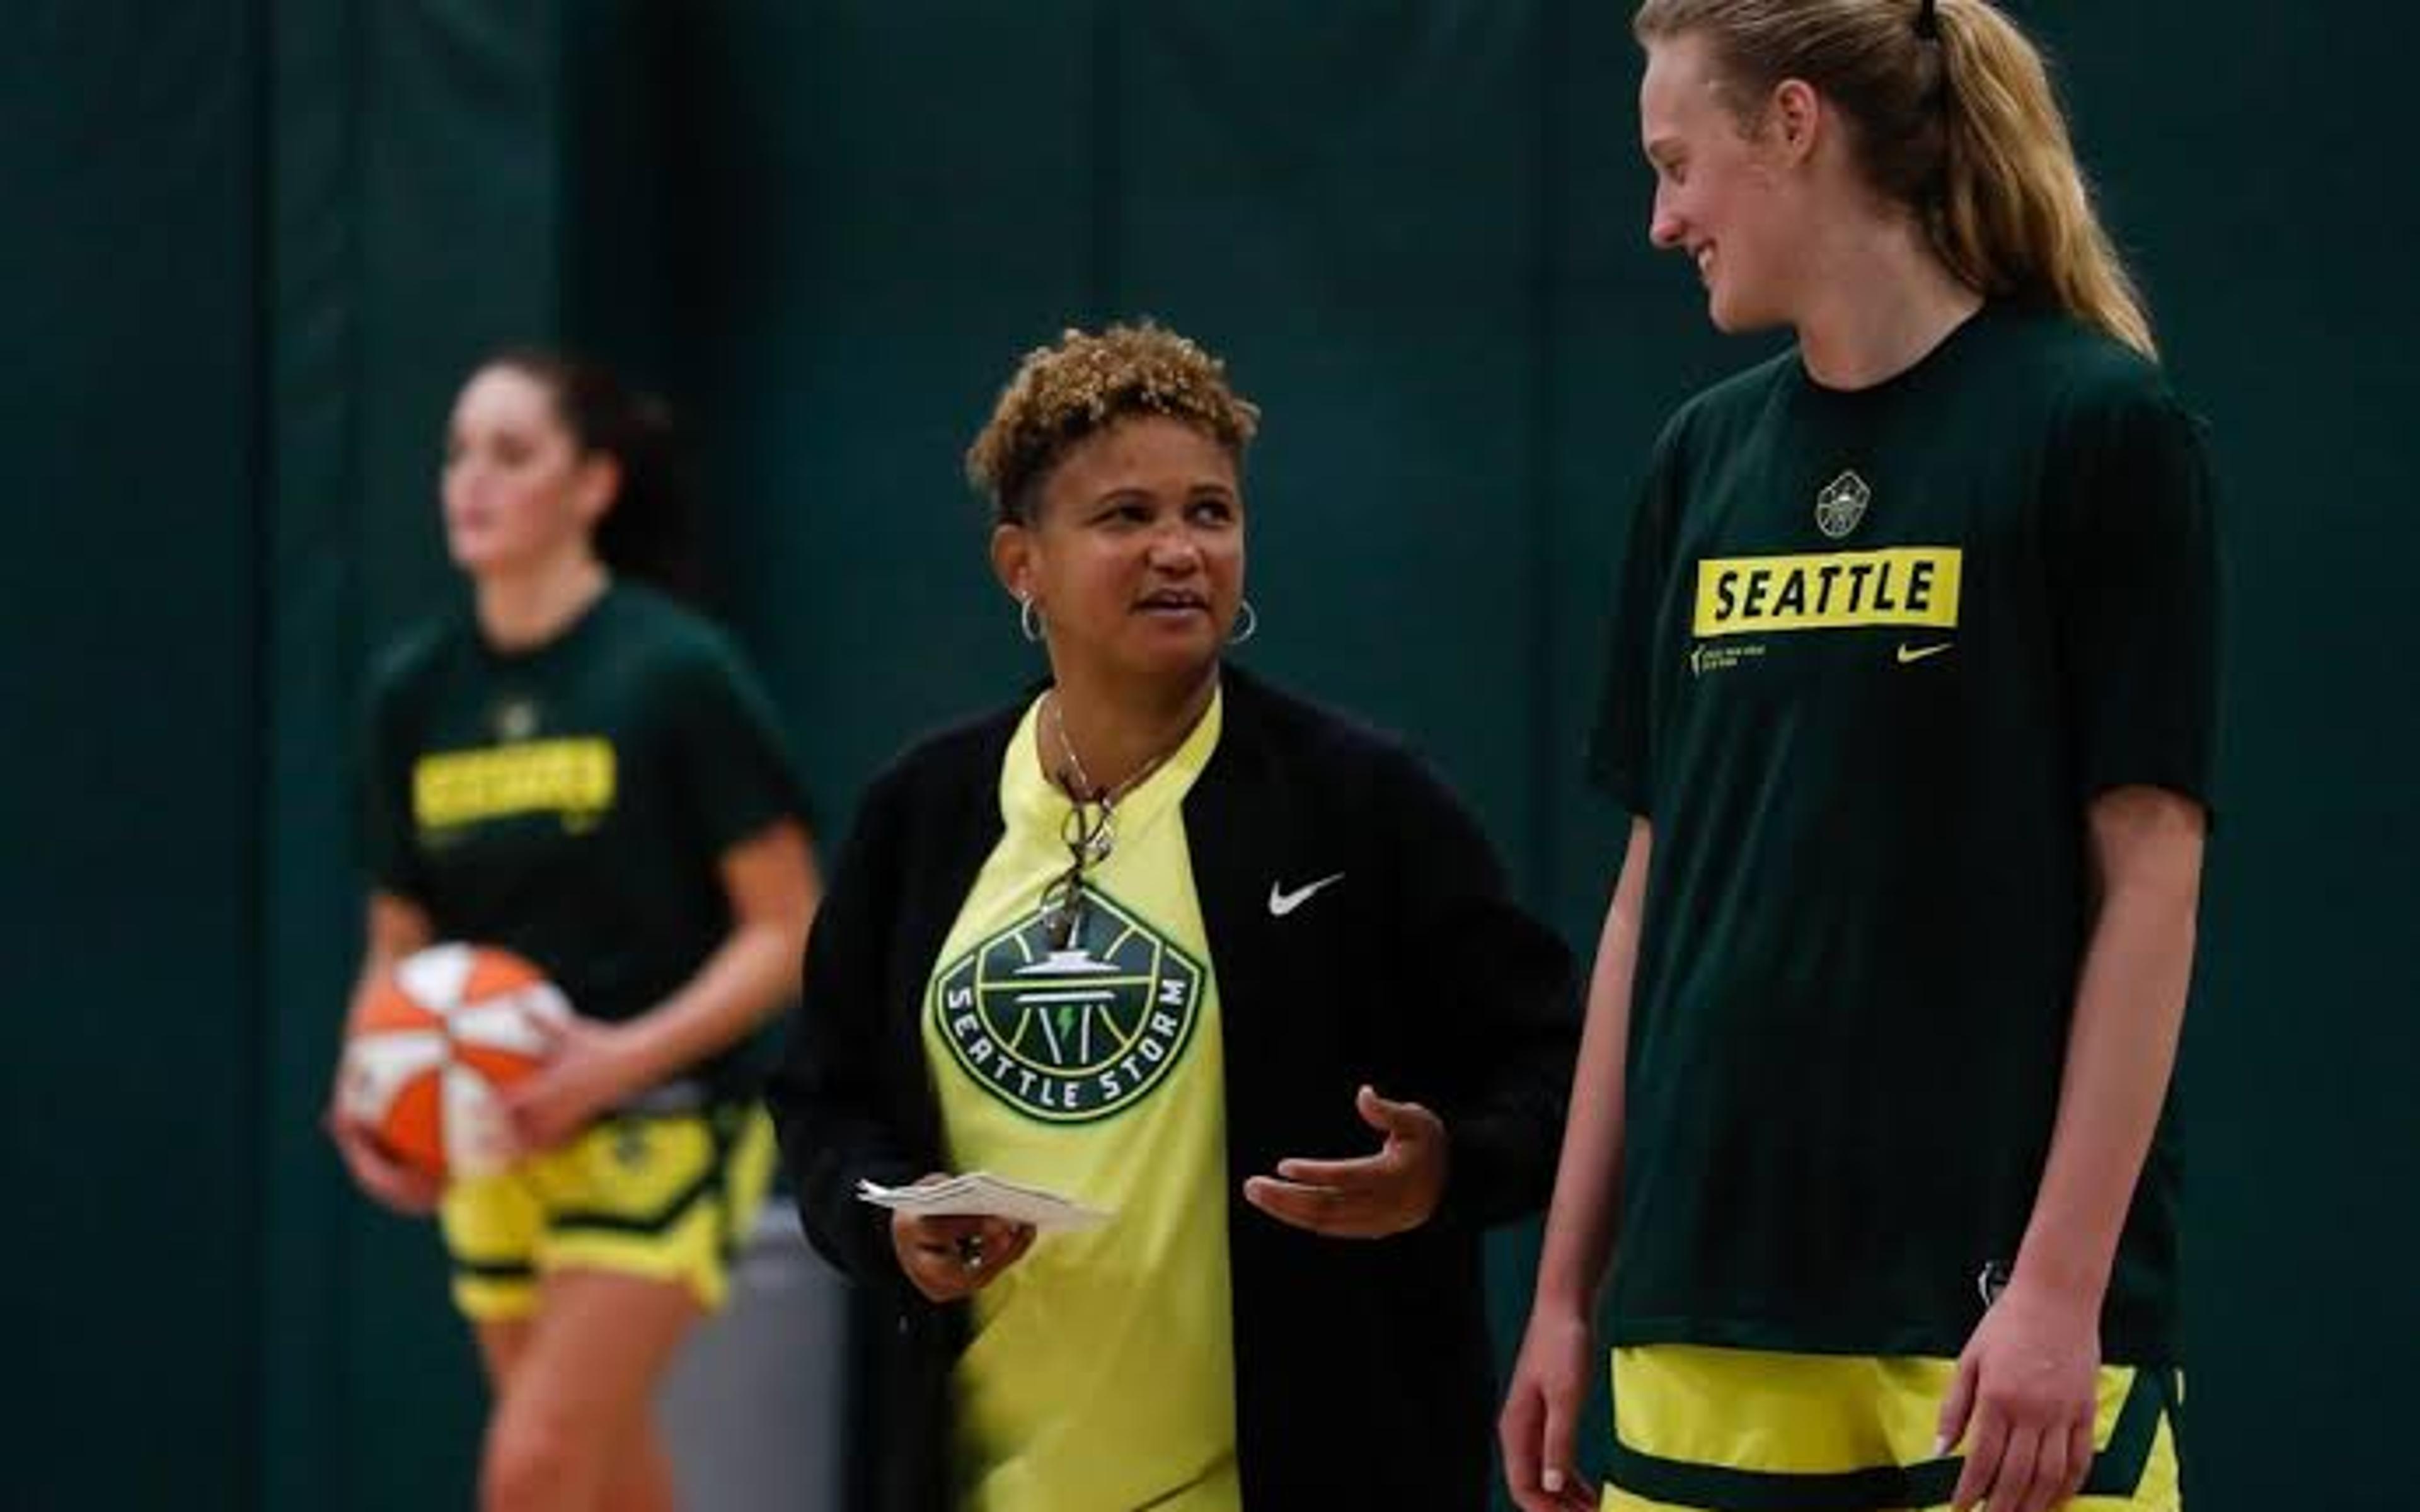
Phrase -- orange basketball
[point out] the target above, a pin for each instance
(440, 1037)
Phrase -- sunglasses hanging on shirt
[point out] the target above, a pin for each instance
(1090, 830)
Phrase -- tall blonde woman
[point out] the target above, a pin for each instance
(1910, 698)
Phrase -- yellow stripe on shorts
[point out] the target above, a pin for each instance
(1705, 1429)
(660, 1197)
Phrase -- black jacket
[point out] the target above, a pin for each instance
(1362, 1373)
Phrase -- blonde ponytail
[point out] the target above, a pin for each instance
(1955, 116)
(2014, 213)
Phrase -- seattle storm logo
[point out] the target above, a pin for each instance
(1842, 504)
(1070, 1035)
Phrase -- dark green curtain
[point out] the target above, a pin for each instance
(133, 975)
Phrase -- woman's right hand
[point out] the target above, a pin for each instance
(1541, 1410)
(950, 1258)
(403, 1189)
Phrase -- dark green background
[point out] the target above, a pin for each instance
(253, 246)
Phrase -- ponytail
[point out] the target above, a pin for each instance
(2014, 214)
(1955, 117)
(646, 533)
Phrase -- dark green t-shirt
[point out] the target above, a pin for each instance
(1874, 654)
(571, 803)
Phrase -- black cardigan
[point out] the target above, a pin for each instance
(1362, 1375)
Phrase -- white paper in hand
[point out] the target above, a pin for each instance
(979, 1194)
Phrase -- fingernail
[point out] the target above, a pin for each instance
(1940, 1446)
(1554, 1479)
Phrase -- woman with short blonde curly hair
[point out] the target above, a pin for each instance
(1202, 956)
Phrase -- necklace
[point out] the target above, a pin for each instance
(1093, 835)
(1090, 829)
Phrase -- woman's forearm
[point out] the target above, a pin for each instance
(773, 888)
(2130, 1005)
(1581, 1224)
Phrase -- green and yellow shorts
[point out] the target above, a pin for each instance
(1743, 1430)
(661, 1196)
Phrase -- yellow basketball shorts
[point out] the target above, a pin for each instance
(1743, 1430)
(661, 1196)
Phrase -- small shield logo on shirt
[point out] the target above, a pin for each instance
(1842, 504)
(515, 719)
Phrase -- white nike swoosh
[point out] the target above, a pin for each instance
(1282, 902)
(1908, 653)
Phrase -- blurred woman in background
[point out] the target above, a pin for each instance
(579, 769)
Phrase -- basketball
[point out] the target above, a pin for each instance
(440, 1037)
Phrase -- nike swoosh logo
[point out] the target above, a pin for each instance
(1282, 902)
(1908, 654)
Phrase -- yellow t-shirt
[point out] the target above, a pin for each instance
(1100, 1377)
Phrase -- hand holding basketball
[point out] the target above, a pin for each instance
(392, 1184)
(433, 1044)
(590, 1065)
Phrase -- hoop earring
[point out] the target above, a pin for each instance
(1028, 619)
(1248, 624)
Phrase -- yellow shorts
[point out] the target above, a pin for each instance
(1742, 1431)
(663, 1196)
